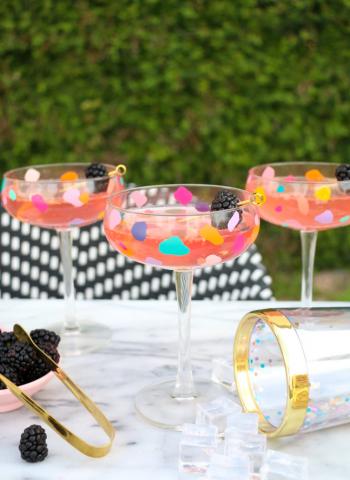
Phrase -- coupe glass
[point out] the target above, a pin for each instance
(60, 197)
(172, 227)
(304, 196)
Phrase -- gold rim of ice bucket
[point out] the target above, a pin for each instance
(297, 378)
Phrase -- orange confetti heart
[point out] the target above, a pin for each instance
(211, 234)
(84, 197)
(101, 215)
(314, 175)
(69, 176)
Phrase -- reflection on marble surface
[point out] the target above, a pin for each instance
(142, 350)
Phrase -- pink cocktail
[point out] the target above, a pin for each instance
(175, 227)
(62, 197)
(305, 197)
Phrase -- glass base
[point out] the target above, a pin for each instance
(88, 338)
(156, 404)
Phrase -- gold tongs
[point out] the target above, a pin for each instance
(65, 433)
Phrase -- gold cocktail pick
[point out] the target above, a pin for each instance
(65, 433)
(119, 170)
(256, 199)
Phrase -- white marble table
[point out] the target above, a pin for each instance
(143, 349)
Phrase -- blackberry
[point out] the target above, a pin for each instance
(7, 339)
(41, 367)
(33, 446)
(21, 356)
(41, 336)
(97, 170)
(9, 373)
(224, 200)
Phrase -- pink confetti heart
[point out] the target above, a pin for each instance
(279, 208)
(32, 175)
(238, 244)
(268, 173)
(183, 195)
(290, 178)
(72, 196)
(234, 221)
(139, 198)
(152, 261)
(39, 203)
(325, 217)
(114, 219)
(212, 260)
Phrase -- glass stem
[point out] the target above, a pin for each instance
(308, 250)
(70, 322)
(184, 387)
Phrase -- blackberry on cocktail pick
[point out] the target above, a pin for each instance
(33, 446)
(96, 171)
(342, 174)
(224, 200)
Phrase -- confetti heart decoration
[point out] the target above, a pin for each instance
(325, 218)
(290, 178)
(77, 221)
(202, 207)
(238, 244)
(281, 189)
(183, 195)
(69, 176)
(152, 261)
(138, 198)
(139, 231)
(344, 219)
(268, 173)
(32, 175)
(323, 194)
(173, 246)
(278, 209)
(291, 223)
(212, 260)
(314, 175)
(72, 196)
(39, 203)
(234, 221)
(211, 234)
(12, 194)
(84, 197)
(114, 219)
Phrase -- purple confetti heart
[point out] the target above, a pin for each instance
(325, 217)
(139, 231)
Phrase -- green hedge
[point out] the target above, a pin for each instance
(192, 90)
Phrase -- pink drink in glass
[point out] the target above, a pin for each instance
(173, 227)
(61, 197)
(303, 196)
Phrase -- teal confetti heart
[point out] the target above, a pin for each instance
(173, 246)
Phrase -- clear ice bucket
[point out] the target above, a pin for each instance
(292, 367)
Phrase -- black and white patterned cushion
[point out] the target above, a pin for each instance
(30, 267)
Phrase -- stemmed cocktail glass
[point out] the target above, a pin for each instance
(63, 197)
(304, 196)
(173, 227)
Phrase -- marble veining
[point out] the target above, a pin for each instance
(142, 350)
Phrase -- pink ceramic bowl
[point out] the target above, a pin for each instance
(9, 402)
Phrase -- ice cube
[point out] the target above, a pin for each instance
(252, 444)
(234, 467)
(216, 412)
(244, 422)
(222, 373)
(282, 466)
(197, 444)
